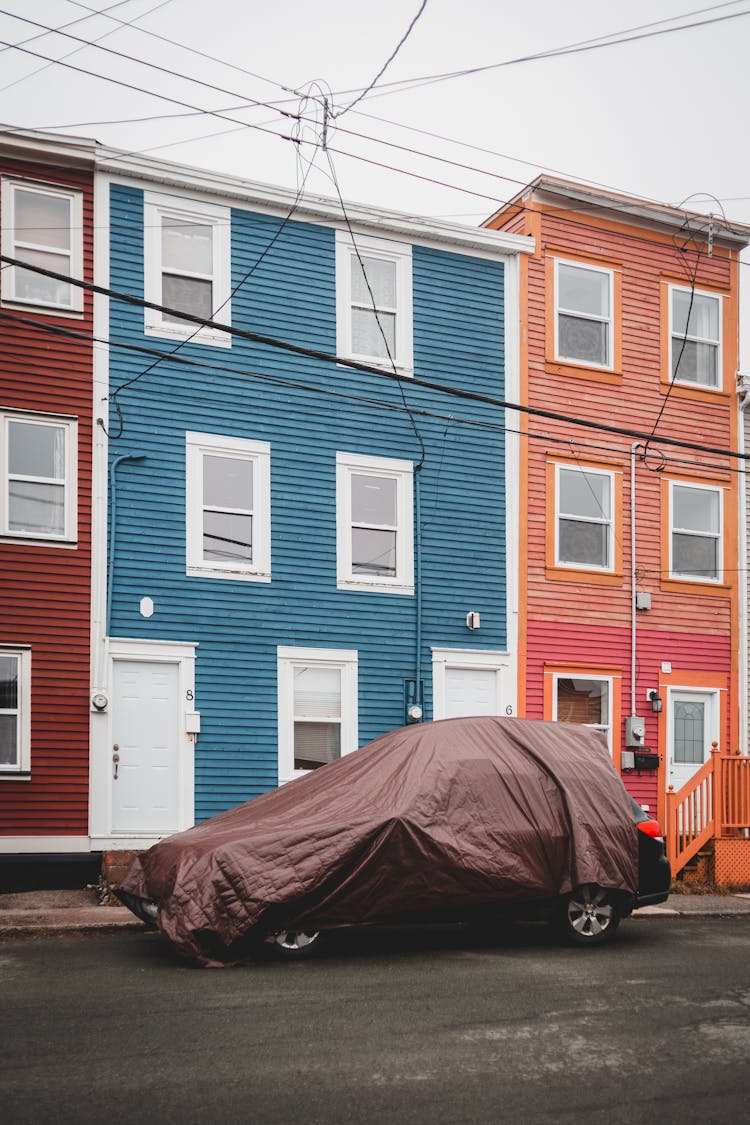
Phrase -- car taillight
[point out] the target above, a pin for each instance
(650, 828)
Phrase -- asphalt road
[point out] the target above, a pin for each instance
(439, 1027)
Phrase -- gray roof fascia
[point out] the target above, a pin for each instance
(313, 207)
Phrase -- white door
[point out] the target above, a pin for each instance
(693, 726)
(471, 691)
(145, 746)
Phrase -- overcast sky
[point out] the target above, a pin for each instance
(662, 116)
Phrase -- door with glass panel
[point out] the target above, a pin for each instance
(693, 726)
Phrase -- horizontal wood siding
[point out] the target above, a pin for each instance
(587, 644)
(580, 619)
(46, 601)
(458, 341)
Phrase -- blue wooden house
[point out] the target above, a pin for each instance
(294, 555)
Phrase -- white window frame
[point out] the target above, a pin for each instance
(681, 577)
(397, 252)
(69, 481)
(696, 339)
(347, 464)
(609, 321)
(288, 659)
(559, 467)
(606, 729)
(155, 207)
(197, 445)
(11, 244)
(22, 767)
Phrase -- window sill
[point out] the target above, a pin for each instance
(582, 577)
(695, 586)
(407, 370)
(234, 575)
(581, 371)
(374, 587)
(37, 541)
(15, 775)
(70, 313)
(209, 337)
(717, 395)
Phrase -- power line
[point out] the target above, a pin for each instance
(72, 23)
(579, 47)
(386, 64)
(351, 396)
(369, 369)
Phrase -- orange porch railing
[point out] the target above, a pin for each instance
(715, 803)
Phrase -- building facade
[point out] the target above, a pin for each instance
(629, 602)
(46, 214)
(301, 554)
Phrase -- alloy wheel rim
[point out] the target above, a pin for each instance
(589, 911)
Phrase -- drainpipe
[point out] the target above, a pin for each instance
(633, 611)
(418, 585)
(744, 405)
(113, 526)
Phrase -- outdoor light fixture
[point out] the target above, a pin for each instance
(656, 701)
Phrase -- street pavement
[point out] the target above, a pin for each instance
(442, 1027)
(59, 912)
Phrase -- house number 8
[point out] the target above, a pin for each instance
(189, 695)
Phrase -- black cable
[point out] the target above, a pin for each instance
(375, 310)
(386, 64)
(312, 353)
(269, 246)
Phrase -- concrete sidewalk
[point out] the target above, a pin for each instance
(62, 912)
(53, 912)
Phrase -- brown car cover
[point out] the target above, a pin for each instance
(448, 815)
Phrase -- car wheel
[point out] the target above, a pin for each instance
(291, 944)
(589, 916)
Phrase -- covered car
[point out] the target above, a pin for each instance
(442, 819)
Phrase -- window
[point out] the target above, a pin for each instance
(584, 299)
(228, 507)
(584, 527)
(586, 700)
(317, 691)
(44, 227)
(374, 301)
(695, 337)
(187, 267)
(375, 524)
(38, 468)
(15, 706)
(695, 519)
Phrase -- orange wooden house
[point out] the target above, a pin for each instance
(629, 604)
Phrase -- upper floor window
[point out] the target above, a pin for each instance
(695, 337)
(15, 696)
(374, 517)
(695, 532)
(584, 525)
(374, 301)
(38, 470)
(44, 227)
(317, 697)
(228, 507)
(187, 267)
(584, 298)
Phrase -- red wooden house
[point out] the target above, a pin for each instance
(46, 215)
(629, 596)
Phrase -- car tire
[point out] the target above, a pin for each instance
(294, 945)
(589, 916)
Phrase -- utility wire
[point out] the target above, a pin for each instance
(369, 369)
(579, 47)
(386, 64)
(77, 50)
(350, 396)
